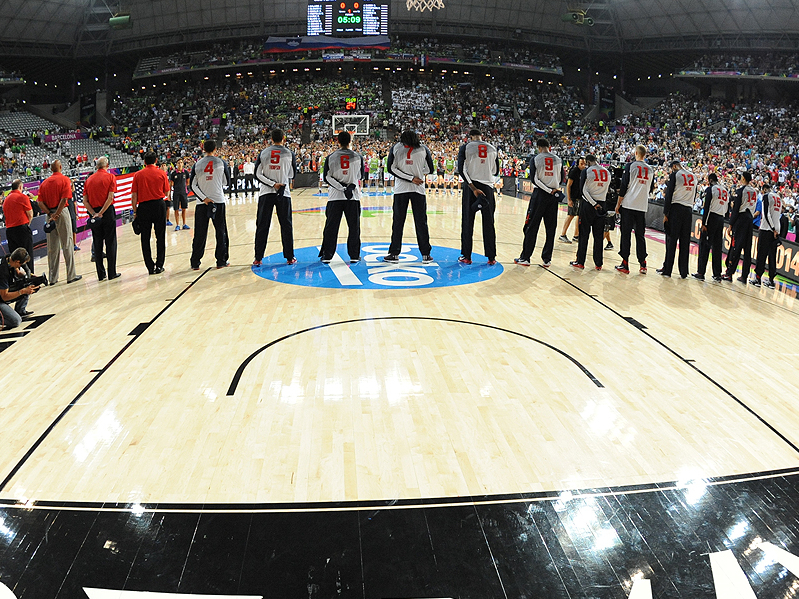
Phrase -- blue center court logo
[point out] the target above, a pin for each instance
(372, 273)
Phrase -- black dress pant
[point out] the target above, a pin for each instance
(679, 230)
(248, 182)
(21, 237)
(711, 241)
(105, 234)
(766, 250)
(351, 209)
(263, 220)
(741, 242)
(419, 206)
(593, 222)
(543, 206)
(152, 217)
(467, 221)
(202, 214)
(633, 220)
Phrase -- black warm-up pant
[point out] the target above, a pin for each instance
(633, 220)
(202, 214)
(741, 242)
(151, 216)
(467, 221)
(711, 241)
(105, 235)
(21, 237)
(678, 230)
(543, 206)
(351, 209)
(418, 204)
(263, 220)
(593, 222)
(766, 250)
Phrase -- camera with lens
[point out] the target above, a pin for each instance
(22, 282)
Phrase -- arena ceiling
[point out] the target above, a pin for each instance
(78, 28)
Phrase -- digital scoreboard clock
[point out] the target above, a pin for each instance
(347, 18)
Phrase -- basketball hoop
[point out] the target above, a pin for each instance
(423, 5)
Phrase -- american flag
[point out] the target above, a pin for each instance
(121, 198)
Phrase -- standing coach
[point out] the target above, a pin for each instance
(151, 184)
(99, 193)
(19, 212)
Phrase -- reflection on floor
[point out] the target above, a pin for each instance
(691, 539)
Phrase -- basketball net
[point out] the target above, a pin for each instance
(423, 5)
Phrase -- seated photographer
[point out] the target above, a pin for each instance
(12, 270)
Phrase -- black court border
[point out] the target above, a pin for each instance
(240, 371)
(420, 502)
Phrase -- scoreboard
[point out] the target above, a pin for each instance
(345, 18)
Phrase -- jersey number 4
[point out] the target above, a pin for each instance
(209, 168)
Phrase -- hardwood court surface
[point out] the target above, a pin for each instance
(534, 380)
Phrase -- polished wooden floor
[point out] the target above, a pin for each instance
(697, 379)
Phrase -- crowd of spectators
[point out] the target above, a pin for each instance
(237, 53)
(775, 64)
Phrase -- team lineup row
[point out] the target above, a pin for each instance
(409, 163)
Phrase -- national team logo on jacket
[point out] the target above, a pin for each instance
(372, 273)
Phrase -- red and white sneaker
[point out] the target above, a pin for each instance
(623, 268)
(256, 263)
(597, 268)
(642, 268)
(576, 264)
(464, 260)
(292, 261)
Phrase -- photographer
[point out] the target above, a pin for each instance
(11, 269)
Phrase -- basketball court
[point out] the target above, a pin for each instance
(360, 410)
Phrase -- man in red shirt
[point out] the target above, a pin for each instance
(54, 193)
(98, 194)
(19, 212)
(151, 184)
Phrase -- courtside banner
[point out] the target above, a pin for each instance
(787, 252)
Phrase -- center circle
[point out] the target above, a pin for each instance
(372, 273)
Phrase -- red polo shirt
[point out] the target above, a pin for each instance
(97, 187)
(15, 207)
(54, 189)
(150, 183)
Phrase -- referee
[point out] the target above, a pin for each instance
(409, 161)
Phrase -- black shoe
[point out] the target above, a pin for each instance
(391, 259)
(157, 270)
(755, 282)
(727, 278)
(101, 278)
(78, 278)
(717, 279)
(116, 276)
(742, 280)
(769, 284)
(662, 273)
(27, 313)
(698, 276)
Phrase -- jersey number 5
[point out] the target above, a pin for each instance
(275, 157)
